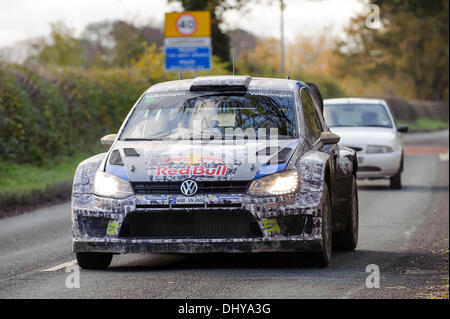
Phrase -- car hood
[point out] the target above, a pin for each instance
(211, 160)
(361, 136)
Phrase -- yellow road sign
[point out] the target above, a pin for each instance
(188, 24)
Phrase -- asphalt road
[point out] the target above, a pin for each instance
(403, 232)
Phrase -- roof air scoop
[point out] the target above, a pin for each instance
(221, 83)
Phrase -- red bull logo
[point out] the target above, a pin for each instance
(191, 170)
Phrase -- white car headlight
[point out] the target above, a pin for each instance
(372, 149)
(107, 185)
(286, 182)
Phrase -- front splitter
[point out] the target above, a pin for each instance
(124, 246)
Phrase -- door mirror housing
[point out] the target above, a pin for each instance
(108, 140)
(329, 138)
(402, 128)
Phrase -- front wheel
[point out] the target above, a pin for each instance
(348, 238)
(323, 258)
(396, 181)
(94, 260)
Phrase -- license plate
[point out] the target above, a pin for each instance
(188, 200)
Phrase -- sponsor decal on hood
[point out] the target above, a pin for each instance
(179, 160)
(191, 170)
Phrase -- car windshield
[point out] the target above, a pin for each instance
(341, 115)
(186, 115)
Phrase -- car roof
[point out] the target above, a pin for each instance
(354, 100)
(269, 84)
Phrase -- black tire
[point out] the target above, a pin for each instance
(396, 181)
(94, 260)
(348, 238)
(323, 258)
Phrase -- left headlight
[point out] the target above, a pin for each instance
(107, 185)
(283, 183)
(372, 149)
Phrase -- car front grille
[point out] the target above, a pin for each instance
(190, 224)
(204, 187)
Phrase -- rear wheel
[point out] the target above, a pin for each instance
(94, 260)
(348, 239)
(322, 258)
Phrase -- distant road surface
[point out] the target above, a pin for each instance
(404, 232)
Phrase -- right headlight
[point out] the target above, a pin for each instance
(372, 149)
(108, 185)
(282, 183)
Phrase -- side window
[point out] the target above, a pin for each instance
(311, 118)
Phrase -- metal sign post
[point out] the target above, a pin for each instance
(187, 41)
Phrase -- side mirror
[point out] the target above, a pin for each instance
(108, 140)
(329, 138)
(402, 128)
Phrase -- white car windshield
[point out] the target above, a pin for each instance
(344, 115)
(165, 116)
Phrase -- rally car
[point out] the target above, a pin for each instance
(218, 164)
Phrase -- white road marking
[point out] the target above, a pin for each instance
(444, 157)
(58, 267)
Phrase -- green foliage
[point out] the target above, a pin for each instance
(43, 114)
(75, 90)
(130, 43)
(19, 121)
(328, 86)
(63, 49)
(410, 53)
(423, 125)
(53, 111)
(23, 184)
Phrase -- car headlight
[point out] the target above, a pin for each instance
(107, 185)
(371, 149)
(286, 182)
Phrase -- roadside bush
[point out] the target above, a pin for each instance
(44, 113)
(52, 121)
(19, 122)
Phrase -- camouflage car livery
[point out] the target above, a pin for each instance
(222, 216)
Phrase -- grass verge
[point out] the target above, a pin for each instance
(426, 125)
(23, 186)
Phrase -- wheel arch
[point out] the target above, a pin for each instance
(83, 181)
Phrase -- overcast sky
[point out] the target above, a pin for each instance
(23, 19)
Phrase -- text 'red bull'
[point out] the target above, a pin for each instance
(191, 170)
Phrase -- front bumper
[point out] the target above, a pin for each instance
(284, 223)
(382, 165)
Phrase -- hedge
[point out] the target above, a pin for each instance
(44, 113)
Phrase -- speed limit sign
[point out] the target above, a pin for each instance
(186, 24)
(187, 41)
